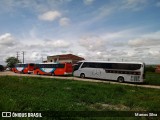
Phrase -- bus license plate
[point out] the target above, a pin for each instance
(135, 78)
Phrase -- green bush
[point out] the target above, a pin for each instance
(150, 68)
(1, 68)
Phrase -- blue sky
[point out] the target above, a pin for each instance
(93, 29)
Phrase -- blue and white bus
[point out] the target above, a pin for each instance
(117, 71)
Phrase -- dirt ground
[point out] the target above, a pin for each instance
(75, 78)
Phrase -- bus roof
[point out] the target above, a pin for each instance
(54, 63)
(48, 63)
(112, 62)
(25, 63)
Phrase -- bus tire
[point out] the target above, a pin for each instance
(82, 75)
(120, 79)
(38, 73)
(53, 74)
(22, 72)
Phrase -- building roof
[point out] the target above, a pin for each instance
(158, 66)
(68, 56)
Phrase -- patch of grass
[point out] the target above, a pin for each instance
(152, 78)
(46, 94)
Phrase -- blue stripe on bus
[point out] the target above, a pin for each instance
(18, 70)
(49, 72)
(53, 70)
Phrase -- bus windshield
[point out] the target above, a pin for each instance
(76, 66)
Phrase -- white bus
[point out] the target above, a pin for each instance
(118, 71)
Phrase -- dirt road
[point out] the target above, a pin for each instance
(75, 78)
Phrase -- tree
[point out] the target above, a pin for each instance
(11, 62)
(1, 68)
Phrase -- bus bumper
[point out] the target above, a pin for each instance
(29, 72)
(67, 73)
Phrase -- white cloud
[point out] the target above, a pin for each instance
(144, 42)
(155, 53)
(92, 43)
(151, 39)
(114, 7)
(153, 35)
(130, 53)
(133, 4)
(7, 40)
(81, 54)
(117, 43)
(136, 42)
(88, 2)
(57, 44)
(50, 15)
(34, 5)
(158, 4)
(104, 11)
(64, 21)
(35, 56)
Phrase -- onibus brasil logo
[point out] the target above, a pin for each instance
(16, 114)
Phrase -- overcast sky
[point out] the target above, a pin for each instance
(93, 29)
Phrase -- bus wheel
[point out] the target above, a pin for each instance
(82, 75)
(23, 72)
(53, 74)
(38, 73)
(120, 79)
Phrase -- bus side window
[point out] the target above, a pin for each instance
(84, 65)
(61, 65)
(42, 66)
(96, 65)
(114, 66)
(24, 65)
(105, 65)
(91, 65)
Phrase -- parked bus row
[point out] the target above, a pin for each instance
(44, 68)
(116, 71)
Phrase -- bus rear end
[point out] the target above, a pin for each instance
(31, 67)
(20, 68)
(138, 75)
(68, 69)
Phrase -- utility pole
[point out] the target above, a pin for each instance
(17, 55)
(23, 56)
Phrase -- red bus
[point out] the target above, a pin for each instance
(53, 69)
(24, 68)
